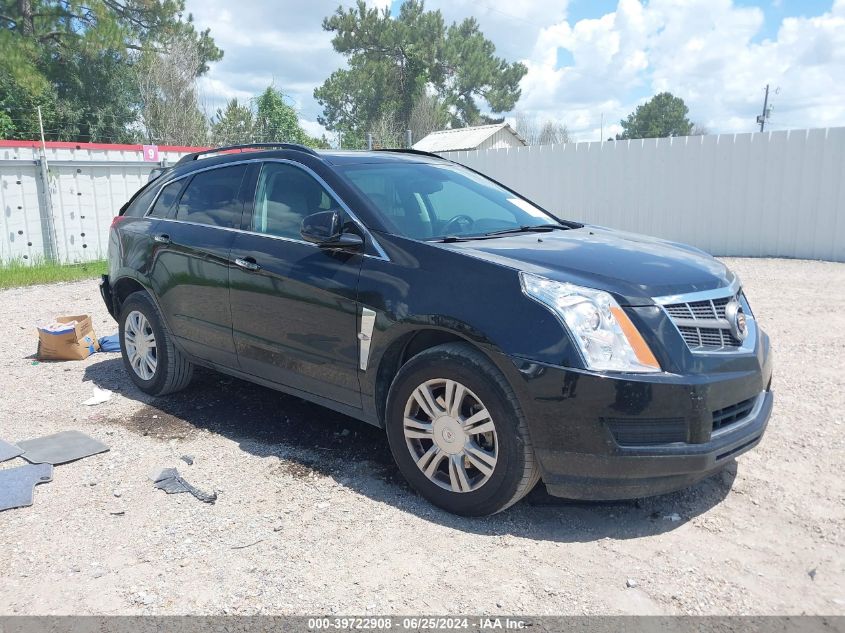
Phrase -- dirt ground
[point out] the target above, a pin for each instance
(312, 517)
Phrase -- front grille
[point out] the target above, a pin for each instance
(708, 337)
(647, 431)
(703, 325)
(714, 309)
(723, 418)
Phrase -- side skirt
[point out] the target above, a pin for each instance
(352, 412)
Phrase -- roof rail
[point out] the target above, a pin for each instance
(410, 151)
(233, 148)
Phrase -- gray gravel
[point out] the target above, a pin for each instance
(313, 518)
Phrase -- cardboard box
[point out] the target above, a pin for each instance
(75, 341)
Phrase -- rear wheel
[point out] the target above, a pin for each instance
(457, 432)
(153, 362)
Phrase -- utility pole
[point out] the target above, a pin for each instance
(761, 119)
(48, 228)
(601, 129)
(369, 141)
(409, 139)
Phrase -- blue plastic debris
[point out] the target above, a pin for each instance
(110, 343)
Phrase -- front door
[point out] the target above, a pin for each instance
(293, 304)
(190, 273)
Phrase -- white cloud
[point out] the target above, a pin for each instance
(709, 52)
(280, 43)
(315, 129)
(704, 51)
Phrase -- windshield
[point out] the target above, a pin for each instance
(431, 201)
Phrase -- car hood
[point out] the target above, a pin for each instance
(633, 267)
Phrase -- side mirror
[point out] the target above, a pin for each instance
(326, 230)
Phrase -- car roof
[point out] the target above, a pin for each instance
(351, 157)
(331, 157)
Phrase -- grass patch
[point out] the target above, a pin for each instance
(18, 273)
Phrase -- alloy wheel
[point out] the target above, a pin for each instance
(140, 342)
(450, 435)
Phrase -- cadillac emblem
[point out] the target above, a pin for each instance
(737, 320)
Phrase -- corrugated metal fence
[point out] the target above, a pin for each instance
(771, 194)
(779, 194)
(67, 209)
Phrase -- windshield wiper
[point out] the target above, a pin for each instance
(536, 228)
(448, 239)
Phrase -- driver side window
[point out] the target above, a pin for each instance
(285, 195)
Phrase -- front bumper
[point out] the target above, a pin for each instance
(606, 437)
(644, 471)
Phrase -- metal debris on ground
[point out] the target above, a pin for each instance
(8, 451)
(172, 483)
(99, 396)
(61, 448)
(188, 459)
(17, 485)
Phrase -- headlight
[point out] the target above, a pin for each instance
(607, 339)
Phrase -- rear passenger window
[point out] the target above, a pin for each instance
(212, 198)
(167, 199)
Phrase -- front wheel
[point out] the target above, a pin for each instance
(457, 432)
(153, 362)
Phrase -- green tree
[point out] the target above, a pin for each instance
(64, 27)
(6, 125)
(267, 118)
(74, 58)
(235, 124)
(19, 103)
(393, 62)
(663, 115)
(277, 121)
(96, 98)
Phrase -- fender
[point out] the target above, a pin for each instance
(393, 344)
(127, 273)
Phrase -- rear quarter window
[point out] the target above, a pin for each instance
(139, 205)
(167, 199)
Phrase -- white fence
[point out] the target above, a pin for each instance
(779, 194)
(772, 194)
(66, 210)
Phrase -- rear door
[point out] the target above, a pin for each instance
(190, 272)
(294, 304)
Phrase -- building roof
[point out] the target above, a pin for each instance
(465, 138)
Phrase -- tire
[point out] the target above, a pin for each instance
(171, 371)
(465, 481)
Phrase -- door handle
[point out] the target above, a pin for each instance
(247, 263)
(162, 238)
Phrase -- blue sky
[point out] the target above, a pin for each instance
(587, 60)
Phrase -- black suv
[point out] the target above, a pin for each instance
(494, 342)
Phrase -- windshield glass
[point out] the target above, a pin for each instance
(432, 201)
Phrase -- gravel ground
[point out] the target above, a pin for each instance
(312, 517)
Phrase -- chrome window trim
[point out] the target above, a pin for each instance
(742, 422)
(272, 237)
(378, 248)
(729, 291)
